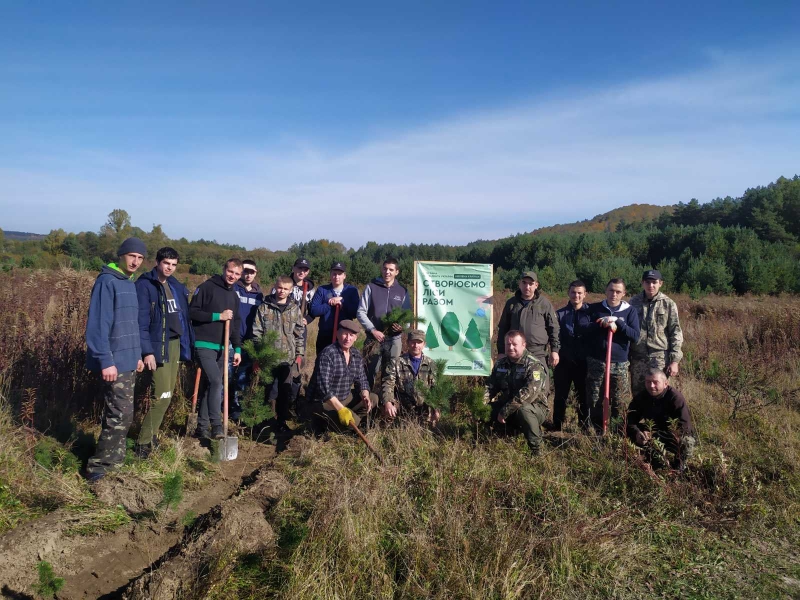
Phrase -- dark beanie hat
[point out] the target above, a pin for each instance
(132, 244)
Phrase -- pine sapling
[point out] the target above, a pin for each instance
(49, 585)
(480, 412)
(402, 317)
(265, 356)
(172, 488)
(439, 394)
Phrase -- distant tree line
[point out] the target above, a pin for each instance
(747, 244)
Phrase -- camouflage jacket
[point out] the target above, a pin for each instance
(515, 384)
(287, 322)
(399, 382)
(661, 328)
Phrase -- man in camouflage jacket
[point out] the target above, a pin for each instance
(400, 395)
(661, 337)
(518, 385)
(279, 314)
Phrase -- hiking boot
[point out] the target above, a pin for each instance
(155, 443)
(142, 450)
(201, 434)
(94, 477)
(216, 432)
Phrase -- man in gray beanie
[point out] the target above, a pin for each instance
(113, 349)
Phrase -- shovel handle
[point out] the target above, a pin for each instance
(225, 380)
(196, 389)
(366, 441)
(607, 383)
(335, 323)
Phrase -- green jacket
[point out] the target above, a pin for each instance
(287, 320)
(399, 381)
(514, 384)
(537, 321)
(661, 328)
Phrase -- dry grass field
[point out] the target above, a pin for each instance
(455, 512)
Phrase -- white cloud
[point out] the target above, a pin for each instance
(707, 133)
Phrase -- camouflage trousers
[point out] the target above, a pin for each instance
(639, 367)
(683, 449)
(619, 389)
(117, 419)
(528, 419)
(379, 354)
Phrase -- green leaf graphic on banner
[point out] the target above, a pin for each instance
(431, 341)
(472, 339)
(450, 330)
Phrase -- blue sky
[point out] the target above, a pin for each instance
(271, 123)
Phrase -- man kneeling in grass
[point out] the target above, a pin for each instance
(400, 395)
(660, 412)
(518, 384)
(340, 388)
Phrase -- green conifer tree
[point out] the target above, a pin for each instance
(265, 358)
(472, 339)
(450, 330)
(431, 341)
(439, 394)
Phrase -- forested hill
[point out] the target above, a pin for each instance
(745, 244)
(633, 213)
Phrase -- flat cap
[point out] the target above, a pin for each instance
(351, 325)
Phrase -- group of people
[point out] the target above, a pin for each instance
(151, 323)
(638, 342)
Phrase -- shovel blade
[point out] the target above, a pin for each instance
(191, 423)
(228, 448)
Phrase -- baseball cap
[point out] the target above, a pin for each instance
(531, 274)
(652, 274)
(303, 263)
(338, 266)
(416, 334)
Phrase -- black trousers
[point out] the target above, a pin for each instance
(569, 373)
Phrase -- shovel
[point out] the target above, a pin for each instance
(335, 323)
(607, 384)
(191, 420)
(228, 446)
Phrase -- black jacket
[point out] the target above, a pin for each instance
(572, 325)
(660, 410)
(153, 314)
(210, 299)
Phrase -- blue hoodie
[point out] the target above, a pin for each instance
(152, 317)
(112, 329)
(248, 307)
(321, 308)
(627, 331)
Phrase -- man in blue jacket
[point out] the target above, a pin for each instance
(113, 349)
(622, 319)
(571, 367)
(380, 296)
(327, 298)
(166, 337)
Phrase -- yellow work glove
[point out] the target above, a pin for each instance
(345, 416)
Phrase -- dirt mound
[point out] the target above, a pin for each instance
(135, 495)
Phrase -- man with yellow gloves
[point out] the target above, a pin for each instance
(341, 391)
